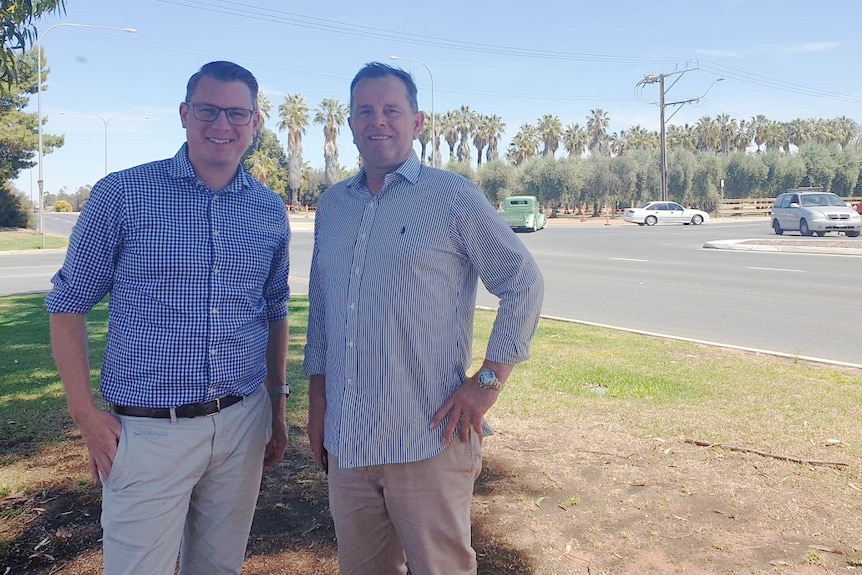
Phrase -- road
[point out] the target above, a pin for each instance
(657, 280)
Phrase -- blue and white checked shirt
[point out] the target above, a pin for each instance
(195, 277)
(392, 293)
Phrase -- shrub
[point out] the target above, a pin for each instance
(62, 206)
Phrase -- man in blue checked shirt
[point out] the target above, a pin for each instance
(194, 254)
(399, 249)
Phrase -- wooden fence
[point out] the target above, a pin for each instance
(755, 206)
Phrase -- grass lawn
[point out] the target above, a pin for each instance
(19, 239)
(594, 464)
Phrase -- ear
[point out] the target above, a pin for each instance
(352, 131)
(184, 113)
(418, 122)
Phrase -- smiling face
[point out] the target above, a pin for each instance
(215, 148)
(384, 126)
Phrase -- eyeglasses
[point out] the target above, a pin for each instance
(210, 113)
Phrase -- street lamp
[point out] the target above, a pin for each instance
(105, 121)
(40, 181)
(433, 118)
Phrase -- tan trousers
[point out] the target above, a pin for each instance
(194, 481)
(417, 514)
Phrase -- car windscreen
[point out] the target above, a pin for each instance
(813, 200)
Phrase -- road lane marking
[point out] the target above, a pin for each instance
(777, 269)
(630, 260)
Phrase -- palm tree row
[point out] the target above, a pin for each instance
(465, 129)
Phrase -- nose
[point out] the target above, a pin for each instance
(221, 119)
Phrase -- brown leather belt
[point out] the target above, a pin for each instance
(188, 410)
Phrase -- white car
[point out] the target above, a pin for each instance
(812, 211)
(652, 213)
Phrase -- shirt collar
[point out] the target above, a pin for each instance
(181, 167)
(409, 170)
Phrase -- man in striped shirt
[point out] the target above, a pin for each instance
(194, 254)
(393, 416)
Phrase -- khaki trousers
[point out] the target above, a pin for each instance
(418, 514)
(194, 481)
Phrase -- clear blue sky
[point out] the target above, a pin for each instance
(784, 59)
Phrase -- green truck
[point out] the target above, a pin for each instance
(523, 213)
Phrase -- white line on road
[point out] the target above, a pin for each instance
(629, 260)
(777, 269)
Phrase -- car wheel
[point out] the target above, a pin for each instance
(777, 227)
(697, 219)
(651, 220)
(804, 230)
(852, 233)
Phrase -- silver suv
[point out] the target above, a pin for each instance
(813, 211)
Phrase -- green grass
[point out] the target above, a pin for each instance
(660, 388)
(12, 240)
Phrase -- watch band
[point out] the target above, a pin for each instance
(276, 391)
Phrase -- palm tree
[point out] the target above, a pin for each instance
(575, 140)
(774, 136)
(465, 120)
(725, 127)
(480, 136)
(294, 118)
(682, 137)
(759, 125)
(495, 128)
(449, 129)
(707, 135)
(795, 133)
(424, 139)
(436, 158)
(261, 166)
(332, 114)
(597, 130)
(524, 145)
(551, 130)
(844, 130)
(264, 106)
(639, 138)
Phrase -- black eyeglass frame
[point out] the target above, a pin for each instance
(196, 106)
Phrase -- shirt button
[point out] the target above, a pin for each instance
(212, 351)
(352, 306)
(215, 311)
(356, 270)
(349, 344)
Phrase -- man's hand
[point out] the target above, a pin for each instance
(467, 406)
(277, 443)
(101, 432)
(316, 415)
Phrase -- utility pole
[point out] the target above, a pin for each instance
(652, 79)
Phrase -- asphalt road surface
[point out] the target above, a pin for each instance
(657, 280)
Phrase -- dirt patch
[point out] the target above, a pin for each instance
(576, 496)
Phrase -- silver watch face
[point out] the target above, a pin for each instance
(486, 377)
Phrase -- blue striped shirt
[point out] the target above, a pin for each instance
(392, 293)
(195, 277)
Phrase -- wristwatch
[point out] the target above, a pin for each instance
(280, 390)
(488, 379)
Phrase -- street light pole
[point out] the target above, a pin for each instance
(40, 181)
(434, 161)
(105, 121)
